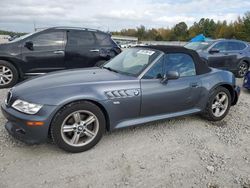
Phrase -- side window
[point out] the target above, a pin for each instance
(241, 46)
(222, 46)
(80, 38)
(238, 45)
(232, 46)
(49, 39)
(180, 62)
(156, 71)
(103, 39)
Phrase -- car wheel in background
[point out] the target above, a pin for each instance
(78, 126)
(218, 105)
(8, 74)
(242, 69)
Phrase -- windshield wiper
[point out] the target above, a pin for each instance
(110, 69)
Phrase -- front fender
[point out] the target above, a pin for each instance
(59, 96)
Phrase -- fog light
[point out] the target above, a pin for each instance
(34, 123)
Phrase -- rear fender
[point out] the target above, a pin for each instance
(234, 91)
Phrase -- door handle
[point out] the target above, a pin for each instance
(95, 50)
(58, 52)
(195, 85)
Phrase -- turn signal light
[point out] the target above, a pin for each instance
(34, 123)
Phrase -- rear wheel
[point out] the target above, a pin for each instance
(78, 127)
(8, 74)
(242, 69)
(218, 104)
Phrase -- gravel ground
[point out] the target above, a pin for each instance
(182, 152)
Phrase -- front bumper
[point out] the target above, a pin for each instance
(246, 82)
(17, 127)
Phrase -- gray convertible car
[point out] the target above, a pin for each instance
(142, 84)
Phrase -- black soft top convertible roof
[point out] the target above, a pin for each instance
(200, 64)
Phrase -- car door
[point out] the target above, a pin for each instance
(44, 52)
(235, 52)
(175, 95)
(222, 57)
(81, 49)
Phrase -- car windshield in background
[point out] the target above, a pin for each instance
(132, 61)
(23, 37)
(198, 45)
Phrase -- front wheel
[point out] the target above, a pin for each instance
(78, 127)
(218, 104)
(8, 75)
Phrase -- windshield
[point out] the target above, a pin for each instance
(198, 45)
(132, 61)
(23, 37)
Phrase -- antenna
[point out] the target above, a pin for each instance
(34, 24)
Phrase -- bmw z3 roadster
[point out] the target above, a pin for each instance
(142, 84)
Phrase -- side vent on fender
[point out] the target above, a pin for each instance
(124, 93)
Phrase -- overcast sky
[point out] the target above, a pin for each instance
(20, 15)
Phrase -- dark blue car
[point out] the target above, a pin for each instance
(246, 83)
(231, 55)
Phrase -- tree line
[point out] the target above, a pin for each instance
(11, 33)
(239, 29)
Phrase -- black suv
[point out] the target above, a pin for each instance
(54, 49)
(232, 55)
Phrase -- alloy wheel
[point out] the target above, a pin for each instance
(6, 75)
(220, 104)
(243, 69)
(79, 128)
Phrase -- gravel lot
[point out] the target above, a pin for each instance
(182, 152)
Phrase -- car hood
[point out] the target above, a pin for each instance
(68, 79)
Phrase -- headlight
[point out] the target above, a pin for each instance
(26, 107)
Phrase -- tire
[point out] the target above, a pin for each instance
(211, 107)
(243, 67)
(100, 63)
(70, 133)
(8, 74)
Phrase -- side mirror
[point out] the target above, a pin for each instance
(170, 75)
(29, 45)
(214, 50)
